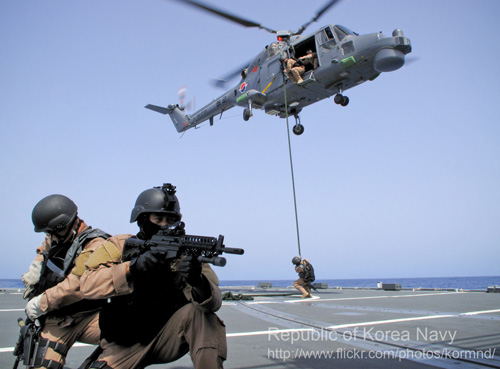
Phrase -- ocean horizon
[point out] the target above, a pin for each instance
(464, 283)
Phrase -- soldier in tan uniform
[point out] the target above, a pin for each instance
(157, 310)
(296, 68)
(306, 276)
(310, 58)
(53, 281)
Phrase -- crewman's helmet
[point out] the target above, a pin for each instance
(296, 260)
(157, 200)
(53, 214)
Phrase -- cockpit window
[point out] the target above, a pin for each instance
(329, 33)
(340, 34)
(326, 38)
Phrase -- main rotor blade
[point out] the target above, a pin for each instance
(318, 14)
(224, 14)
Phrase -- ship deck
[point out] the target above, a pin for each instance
(341, 328)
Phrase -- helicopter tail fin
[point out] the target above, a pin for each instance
(181, 120)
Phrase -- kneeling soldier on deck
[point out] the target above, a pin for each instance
(53, 283)
(306, 276)
(158, 310)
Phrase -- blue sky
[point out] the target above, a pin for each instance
(403, 182)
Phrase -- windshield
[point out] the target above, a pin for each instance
(343, 31)
(326, 38)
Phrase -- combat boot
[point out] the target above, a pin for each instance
(308, 291)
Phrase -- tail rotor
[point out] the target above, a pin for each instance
(191, 104)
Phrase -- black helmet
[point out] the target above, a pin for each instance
(296, 260)
(157, 200)
(53, 213)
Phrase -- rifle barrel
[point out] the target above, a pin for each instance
(232, 250)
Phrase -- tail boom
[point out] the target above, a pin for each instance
(183, 122)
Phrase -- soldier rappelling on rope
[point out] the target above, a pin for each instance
(306, 276)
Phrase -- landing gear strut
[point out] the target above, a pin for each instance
(298, 128)
(341, 100)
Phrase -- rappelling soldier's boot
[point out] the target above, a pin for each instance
(308, 290)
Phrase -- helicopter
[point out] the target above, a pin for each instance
(329, 61)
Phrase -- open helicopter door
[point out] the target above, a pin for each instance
(302, 49)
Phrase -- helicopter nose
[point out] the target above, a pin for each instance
(388, 60)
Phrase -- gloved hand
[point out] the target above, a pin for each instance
(190, 270)
(33, 309)
(31, 277)
(144, 263)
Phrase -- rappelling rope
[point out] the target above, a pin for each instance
(291, 165)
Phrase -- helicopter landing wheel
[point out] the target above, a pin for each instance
(298, 129)
(341, 100)
(246, 114)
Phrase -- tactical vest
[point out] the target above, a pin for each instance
(58, 263)
(309, 273)
(140, 316)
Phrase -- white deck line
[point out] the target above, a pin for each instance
(360, 324)
(277, 331)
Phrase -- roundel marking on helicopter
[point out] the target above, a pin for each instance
(243, 87)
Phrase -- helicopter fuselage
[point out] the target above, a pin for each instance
(344, 60)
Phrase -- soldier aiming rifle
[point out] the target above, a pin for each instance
(162, 293)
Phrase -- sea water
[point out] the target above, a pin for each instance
(465, 283)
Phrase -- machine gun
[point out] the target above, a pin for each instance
(172, 243)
